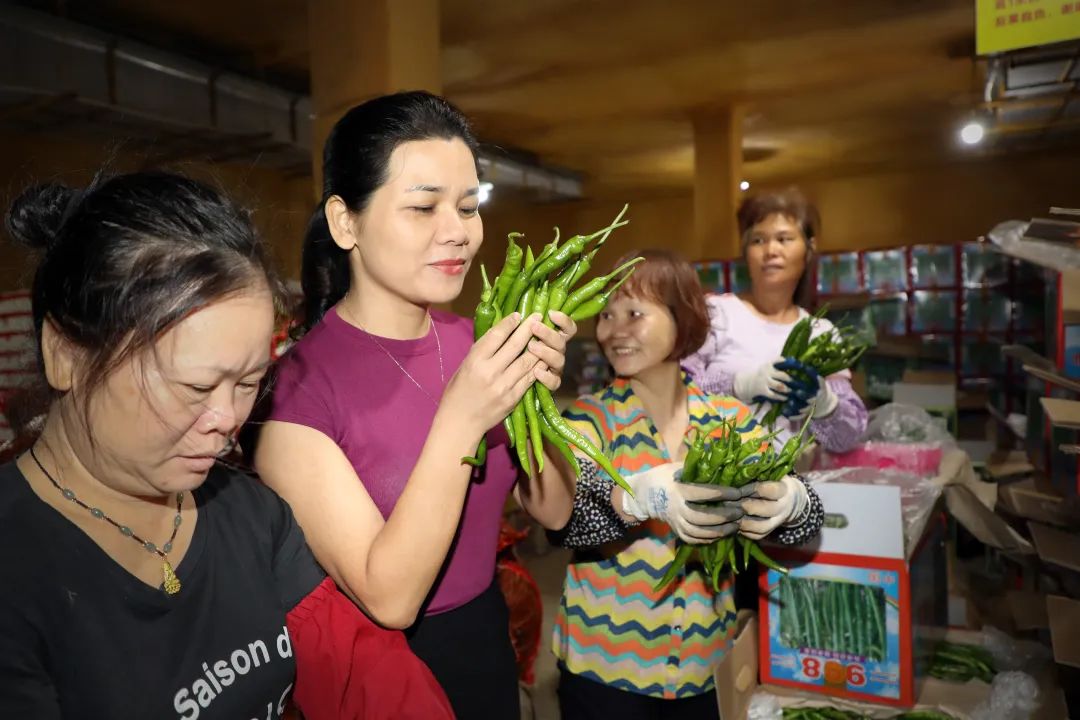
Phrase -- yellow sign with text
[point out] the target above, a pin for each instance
(1002, 25)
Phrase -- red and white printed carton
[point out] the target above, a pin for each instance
(856, 614)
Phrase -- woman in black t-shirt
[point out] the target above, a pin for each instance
(139, 577)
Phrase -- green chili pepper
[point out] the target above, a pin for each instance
(595, 305)
(560, 289)
(520, 284)
(573, 437)
(556, 440)
(758, 554)
(573, 247)
(728, 475)
(532, 424)
(795, 344)
(510, 270)
(590, 289)
(550, 249)
(532, 418)
(483, 319)
(693, 457)
(583, 267)
(682, 555)
(519, 417)
(719, 556)
(520, 430)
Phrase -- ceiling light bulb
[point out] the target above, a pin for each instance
(744, 185)
(485, 192)
(972, 133)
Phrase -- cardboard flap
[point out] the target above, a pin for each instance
(1063, 413)
(861, 520)
(1052, 376)
(736, 674)
(1008, 463)
(1064, 629)
(1029, 500)
(987, 527)
(1056, 546)
(1027, 356)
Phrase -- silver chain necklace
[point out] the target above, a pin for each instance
(438, 346)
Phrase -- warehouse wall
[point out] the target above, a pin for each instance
(281, 205)
(932, 205)
(943, 204)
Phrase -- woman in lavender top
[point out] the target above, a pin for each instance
(747, 333)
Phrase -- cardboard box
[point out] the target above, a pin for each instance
(1056, 547)
(737, 682)
(986, 526)
(1070, 323)
(850, 617)
(1064, 616)
(1035, 499)
(736, 674)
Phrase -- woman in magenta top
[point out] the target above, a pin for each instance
(373, 409)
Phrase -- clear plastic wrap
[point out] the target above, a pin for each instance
(1009, 236)
(1015, 696)
(1012, 654)
(917, 493)
(898, 423)
(764, 706)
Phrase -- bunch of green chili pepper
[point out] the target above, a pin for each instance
(540, 285)
(828, 353)
(960, 662)
(733, 461)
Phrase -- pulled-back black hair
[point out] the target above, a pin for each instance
(125, 259)
(355, 161)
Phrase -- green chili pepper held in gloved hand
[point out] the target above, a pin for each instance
(734, 460)
(811, 361)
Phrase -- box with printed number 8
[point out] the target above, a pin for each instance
(847, 619)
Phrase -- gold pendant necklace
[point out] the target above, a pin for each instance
(170, 582)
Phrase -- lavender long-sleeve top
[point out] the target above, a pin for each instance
(739, 339)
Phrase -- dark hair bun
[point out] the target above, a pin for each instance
(37, 214)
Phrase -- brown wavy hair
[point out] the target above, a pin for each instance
(668, 279)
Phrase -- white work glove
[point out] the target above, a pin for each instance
(659, 495)
(769, 505)
(763, 383)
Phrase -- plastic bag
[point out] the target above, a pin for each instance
(1012, 654)
(1014, 696)
(898, 423)
(1009, 236)
(764, 706)
(917, 494)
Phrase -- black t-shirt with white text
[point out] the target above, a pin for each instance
(80, 637)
